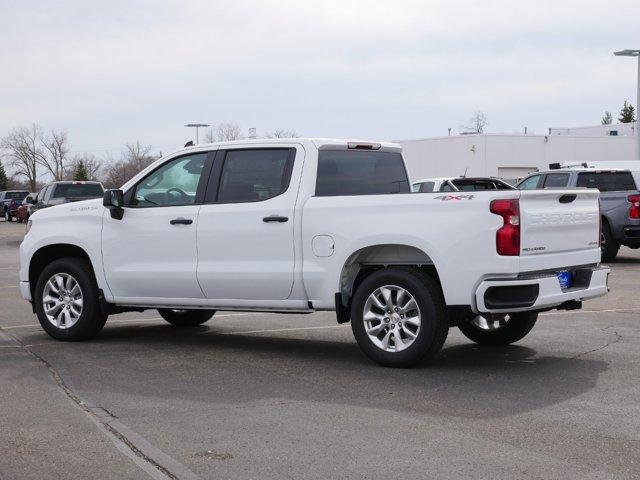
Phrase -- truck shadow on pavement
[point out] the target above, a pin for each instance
(211, 366)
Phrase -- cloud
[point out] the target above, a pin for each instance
(112, 72)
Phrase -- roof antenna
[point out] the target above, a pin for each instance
(464, 175)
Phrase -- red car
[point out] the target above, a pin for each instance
(24, 209)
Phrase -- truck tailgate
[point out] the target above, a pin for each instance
(559, 228)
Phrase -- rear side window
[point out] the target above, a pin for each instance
(530, 183)
(73, 190)
(255, 175)
(607, 181)
(348, 172)
(556, 180)
(424, 187)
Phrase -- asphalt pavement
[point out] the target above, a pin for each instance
(262, 396)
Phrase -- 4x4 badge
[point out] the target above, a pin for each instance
(446, 198)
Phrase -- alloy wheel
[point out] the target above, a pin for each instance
(391, 318)
(62, 300)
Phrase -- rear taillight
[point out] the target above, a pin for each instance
(634, 210)
(508, 236)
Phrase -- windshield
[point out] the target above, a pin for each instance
(77, 190)
(15, 195)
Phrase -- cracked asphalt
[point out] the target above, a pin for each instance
(261, 396)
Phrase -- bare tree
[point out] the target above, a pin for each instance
(228, 131)
(477, 123)
(22, 147)
(57, 149)
(281, 133)
(89, 162)
(135, 158)
(210, 136)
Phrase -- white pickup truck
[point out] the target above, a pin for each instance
(303, 225)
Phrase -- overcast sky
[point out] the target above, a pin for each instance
(119, 71)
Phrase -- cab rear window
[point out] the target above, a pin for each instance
(607, 181)
(348, 172)
(78, 190)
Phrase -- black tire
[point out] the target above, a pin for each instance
(518, 326)
(608, 246)
(7, 216)
(434, 325)
(92, 317)
(186, 318)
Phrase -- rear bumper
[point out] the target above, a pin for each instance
(631, 235)
(539, 291)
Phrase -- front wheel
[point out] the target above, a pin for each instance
(66, 300)
(496, 330)
(398, 317)
(185, 318)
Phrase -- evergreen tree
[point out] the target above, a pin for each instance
(4, 181)
(627, 114)
(607, 118)
(81, 173)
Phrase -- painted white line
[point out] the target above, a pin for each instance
(281, 330)
(612, 310)
(130, 320)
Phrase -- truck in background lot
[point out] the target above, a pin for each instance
(57, 193)
(619, 199)
(10, 200)
(302, 225)
(459, 184)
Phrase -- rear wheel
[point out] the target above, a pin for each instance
(66, 300)
(398, 317)
(502, 329)
(185, 318)
(608, 246)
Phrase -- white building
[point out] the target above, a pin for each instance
(511, 156)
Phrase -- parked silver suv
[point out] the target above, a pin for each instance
(619, 200)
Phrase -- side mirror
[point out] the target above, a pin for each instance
(30, 200)
(114, 201)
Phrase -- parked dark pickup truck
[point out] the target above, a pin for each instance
(619, 200)
(10, 200)
(57, 193)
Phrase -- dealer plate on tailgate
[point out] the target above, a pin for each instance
(565, 278)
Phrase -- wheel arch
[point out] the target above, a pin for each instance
(48, 253)
(366, 260)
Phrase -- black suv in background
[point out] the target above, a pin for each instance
(10, 200)
(619, 200)
(57, 193)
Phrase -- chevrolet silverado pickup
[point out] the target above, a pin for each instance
(303, 225)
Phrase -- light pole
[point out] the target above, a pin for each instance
(634, 53)
(197, 126)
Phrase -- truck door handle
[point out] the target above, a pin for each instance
(568, 198)
(275, 218)
(181, 221)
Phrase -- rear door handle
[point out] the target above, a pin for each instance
(181, 221)
(275, 218)
(568, 198)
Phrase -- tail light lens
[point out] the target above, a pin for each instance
(634, 211)
(508, 236)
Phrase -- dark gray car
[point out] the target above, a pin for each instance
(57, 193)
(619, 201)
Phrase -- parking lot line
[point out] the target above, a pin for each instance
(131, 320)
(282, 330)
